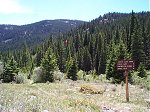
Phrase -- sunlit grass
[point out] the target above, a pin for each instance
(66, 97)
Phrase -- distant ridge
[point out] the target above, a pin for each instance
(13, 36)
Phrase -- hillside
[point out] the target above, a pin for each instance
(13, 36)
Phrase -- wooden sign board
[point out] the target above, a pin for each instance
(125, 65)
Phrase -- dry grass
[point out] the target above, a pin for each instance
(92, 89)
(66, 97)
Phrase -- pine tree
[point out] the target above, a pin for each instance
(49, 64)
(102, 63)
(117, 37)
(77, 42)
(111, 62)
(80, 59)
(97, 62)
(86, 39)
(117, 52)
(87, 62)
(147, 60)
(69, 60)
(60, 56)
(141, 70)
(147, 45)
(31, 70)
(10, 70)
(72, 73)
(26, 59)
(137, 46)
(132, 27)
(38, 58)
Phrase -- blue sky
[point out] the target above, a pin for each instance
(21, 12)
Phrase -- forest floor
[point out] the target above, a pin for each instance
(66, 96)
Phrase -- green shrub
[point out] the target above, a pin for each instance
(91, 76)
(37, 75)
(122, 83)
(81, 75)
(58, 75)
(19, 79)
(102, 78)
(143, 82)
(142, 71)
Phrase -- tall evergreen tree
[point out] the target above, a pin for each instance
(61, 56)
(111, 61)
(137, 45)
(26, 58)
(117, 37)
(72, 73)
(117, 52)
(132, 27)
(141, 70)
(38, 58)
(86, 39)
(10, 70)
(49, 64)
(147, 53)
(68, 60)
(87, 62)
(146, 37)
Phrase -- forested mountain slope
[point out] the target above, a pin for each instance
(13, 36)
(98, 45)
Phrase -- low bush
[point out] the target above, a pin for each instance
(122, 83)
(58, 75)
(141, 71)
(81, 74)
(91, 76)
(102, 78)
(37, 75)
(143, 82)
(19, 79)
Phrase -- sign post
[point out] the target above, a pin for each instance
(127, 89)
(125, 65)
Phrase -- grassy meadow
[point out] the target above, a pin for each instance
(67, 96)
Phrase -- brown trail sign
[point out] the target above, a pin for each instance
(125, 65)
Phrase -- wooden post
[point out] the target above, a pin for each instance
(126, 65)
(127, 90)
